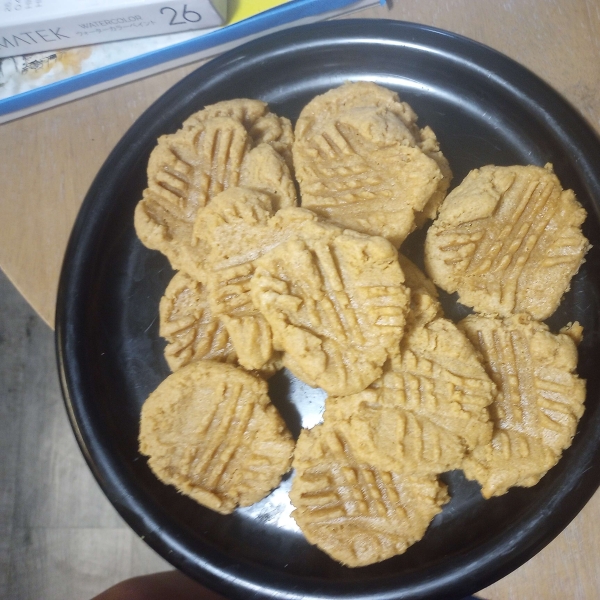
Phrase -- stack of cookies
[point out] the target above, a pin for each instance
(322, 290)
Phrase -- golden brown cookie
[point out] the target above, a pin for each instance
(428, 408)
(352, 511)
(508, 240)
(362, 162)
(539, 403)
(239, 226)
(336, 304)
(365, 94)
(262, 125)
(223, 145)
(191, 330)
(210, 430)
(424, 300)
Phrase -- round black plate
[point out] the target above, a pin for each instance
(484, 109)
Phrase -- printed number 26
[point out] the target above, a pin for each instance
(191, 16)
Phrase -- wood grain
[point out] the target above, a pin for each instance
(48, 162)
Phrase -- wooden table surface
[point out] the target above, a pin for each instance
(50, 158)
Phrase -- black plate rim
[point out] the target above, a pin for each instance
(459, 577)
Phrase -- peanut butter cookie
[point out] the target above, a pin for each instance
(219, 147)
(352, 511)
(262, 125)
(538, 406)
(336, 304)
(193, 332)
(210, 430)
(362, 162)
(189, 326)
(508, 240)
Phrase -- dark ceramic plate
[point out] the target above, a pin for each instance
(484, 109)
